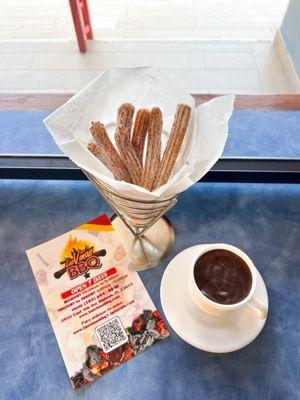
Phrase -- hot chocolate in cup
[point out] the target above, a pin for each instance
(222, 280)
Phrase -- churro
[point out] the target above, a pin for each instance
(179, 128)
(105, 151)
(125, 117)
(128, 155)
(139, 133)
(126, 162)
(153, 149)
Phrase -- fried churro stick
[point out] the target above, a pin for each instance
(105, 151)
(125, 117)
(98, 152)
(139, 133)
(128, 155)
(153, 149)
(180, 124)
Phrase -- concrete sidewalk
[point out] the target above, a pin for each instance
(151, 19)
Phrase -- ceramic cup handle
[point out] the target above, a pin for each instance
(256, 308)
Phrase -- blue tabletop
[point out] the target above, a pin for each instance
(263, 220)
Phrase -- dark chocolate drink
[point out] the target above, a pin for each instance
(223, 276)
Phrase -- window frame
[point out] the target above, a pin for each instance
(227, 169)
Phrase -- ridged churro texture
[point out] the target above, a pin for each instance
(125, 117)
(153, 149)
(105, 151)
(139, 133)
(128, 155)
(178, 131)
(126, 162)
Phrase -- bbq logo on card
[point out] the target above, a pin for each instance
(78, 257)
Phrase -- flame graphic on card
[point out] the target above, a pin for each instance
(78, 257)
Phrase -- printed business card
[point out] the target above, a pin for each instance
(99, 309)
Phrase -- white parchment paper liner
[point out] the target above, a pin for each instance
(143, 87)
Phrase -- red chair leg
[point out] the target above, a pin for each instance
(86, 19)
(82, 23)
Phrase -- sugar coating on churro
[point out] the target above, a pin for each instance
(98, 152)
(125, 116)
(106, 152)
(179, 128)
(127, 163)
(128, 155)
(139, 133)
(153, 149)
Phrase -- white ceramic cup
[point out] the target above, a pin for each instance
(249, 304)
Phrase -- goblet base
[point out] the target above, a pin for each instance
(148, 250)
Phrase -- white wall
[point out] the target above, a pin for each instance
(290, 31)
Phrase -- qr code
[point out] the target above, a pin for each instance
(111, 334)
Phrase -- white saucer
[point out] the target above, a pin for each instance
(213, 334)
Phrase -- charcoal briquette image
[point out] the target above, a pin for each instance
(147, 329)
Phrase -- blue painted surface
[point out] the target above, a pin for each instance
(23, 132)
(263, 220)
(264, 134)
(290, 30)
(252, 133)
